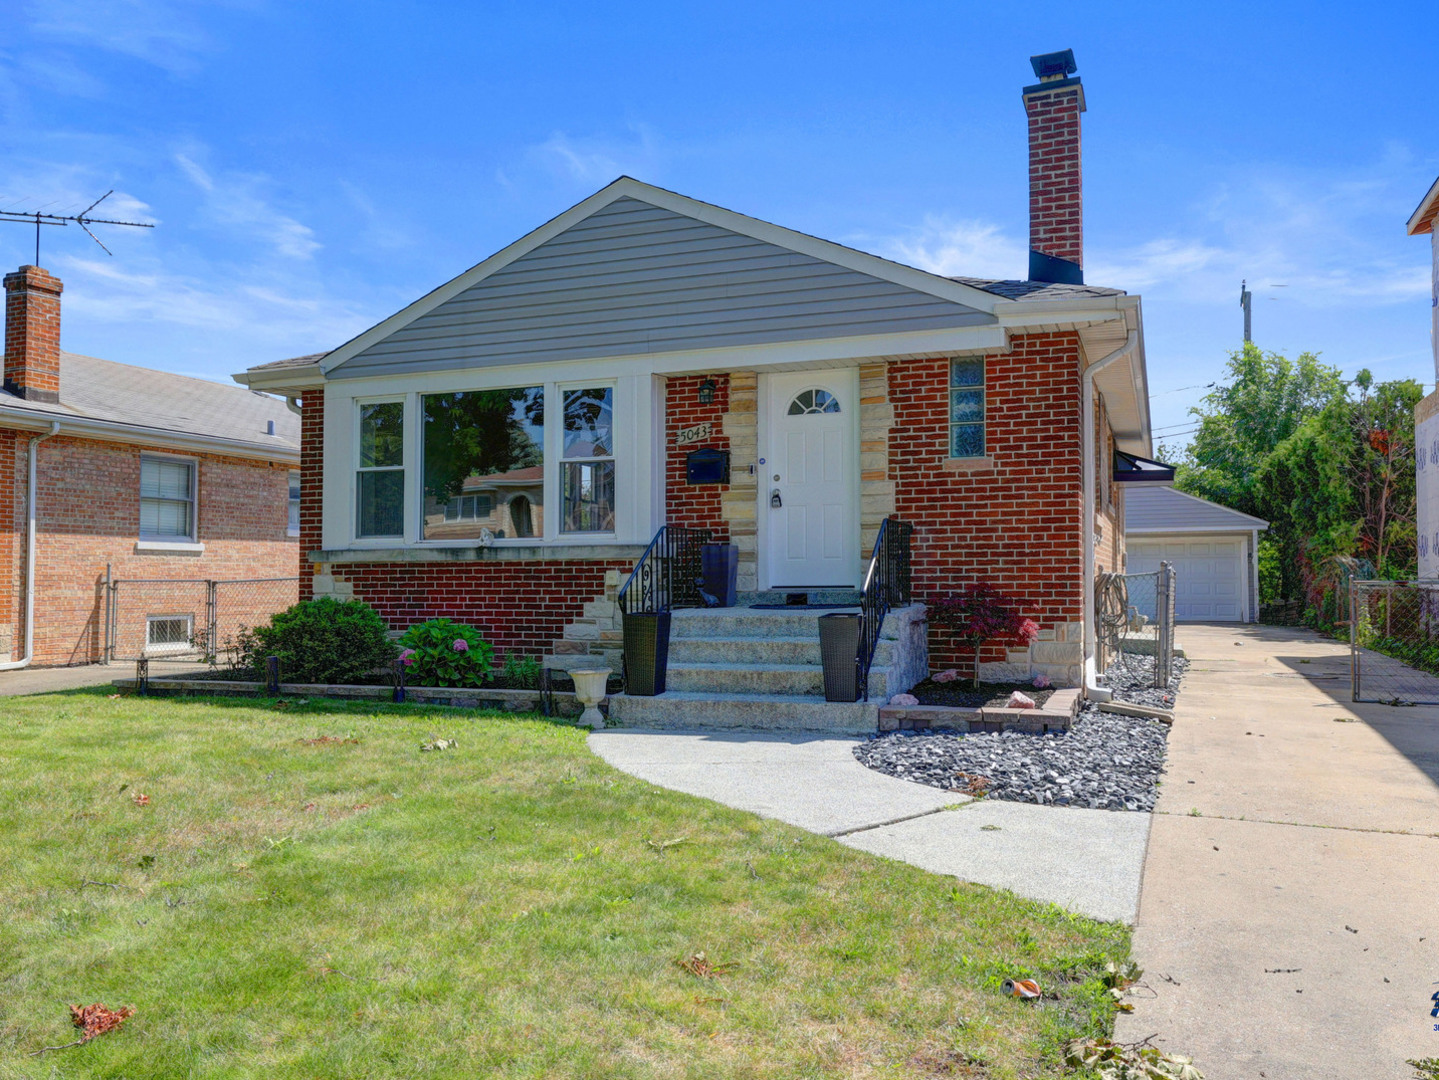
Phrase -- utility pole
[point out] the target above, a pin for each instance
(1246, 301)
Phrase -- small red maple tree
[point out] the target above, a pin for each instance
(980, 613)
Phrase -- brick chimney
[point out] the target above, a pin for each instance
(32, 334)
(1056, 203)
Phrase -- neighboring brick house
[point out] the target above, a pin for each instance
(639, 325)
(141, 473)
(1423, 222)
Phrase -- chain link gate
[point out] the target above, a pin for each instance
(188, 619)
(1394, 641)
(1134, 614)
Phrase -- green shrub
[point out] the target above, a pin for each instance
(321, 641)
(522, 672)
(442, 652)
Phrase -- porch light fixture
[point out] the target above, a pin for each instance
(707, 392)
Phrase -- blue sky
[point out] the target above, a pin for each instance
(314, 167)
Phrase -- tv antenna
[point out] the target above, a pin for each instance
(82, 219)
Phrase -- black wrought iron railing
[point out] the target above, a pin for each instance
(886, 587)
(668, 575)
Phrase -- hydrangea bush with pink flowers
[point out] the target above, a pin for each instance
(980, 613)
(442, 652)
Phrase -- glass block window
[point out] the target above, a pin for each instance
(966, 408)
(380, 479)
(167, 499)
(587, 474)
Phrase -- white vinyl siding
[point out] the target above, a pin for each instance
(167, 499)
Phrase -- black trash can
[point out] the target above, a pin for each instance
(647, 652)
(719, 569)
(838, 648)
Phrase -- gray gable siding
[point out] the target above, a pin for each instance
(1164, 510)
(633, 279)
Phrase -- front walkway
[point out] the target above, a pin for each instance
(1088, 861)
(50, 680)
(1289, 923)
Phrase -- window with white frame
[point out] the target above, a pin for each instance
(167, 499)
(169, 633)
(587, 474)
(966, 408)
(294, 525)
(484, 464)
(380, 477)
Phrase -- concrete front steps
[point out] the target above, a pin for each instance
(760, 668)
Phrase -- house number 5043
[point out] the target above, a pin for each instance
(697, 433)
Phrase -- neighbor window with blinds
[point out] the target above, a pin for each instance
(167, 499)
(966, 408)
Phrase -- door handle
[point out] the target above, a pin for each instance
(774, 500)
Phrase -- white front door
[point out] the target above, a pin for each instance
(809, 484)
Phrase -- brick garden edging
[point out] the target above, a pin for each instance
(1055, 715)
(460, 697)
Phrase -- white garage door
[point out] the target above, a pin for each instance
(1209, 574)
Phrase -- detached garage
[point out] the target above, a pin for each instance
(1211, 547)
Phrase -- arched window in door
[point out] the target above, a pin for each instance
(809, 402)
(520, 516)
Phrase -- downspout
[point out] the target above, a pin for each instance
(1092, 689)
(31, 499)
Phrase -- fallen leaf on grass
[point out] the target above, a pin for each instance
(310, 808)
(439, 744)
(664, 845)
(141, 799)
(698, 965)
(112, 697)
(96, 1019)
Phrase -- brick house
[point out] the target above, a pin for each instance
(144, 474)
(604, 348)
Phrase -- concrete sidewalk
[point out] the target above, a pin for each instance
(1088, 861)
(1288, 924)
(51, 680)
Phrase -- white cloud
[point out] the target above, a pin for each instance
(968, 248)
(157, 32)
(598, 160)
(235, 202)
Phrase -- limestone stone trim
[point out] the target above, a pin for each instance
(738, 505)
(1058, 654)
(326, 584)
(598, 634)
(876, 417)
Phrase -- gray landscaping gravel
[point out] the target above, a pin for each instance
(1105, 762)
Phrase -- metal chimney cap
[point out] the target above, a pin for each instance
(1055, 65)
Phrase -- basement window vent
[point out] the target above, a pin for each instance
(168, 633)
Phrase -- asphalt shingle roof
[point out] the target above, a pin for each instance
(103, 390)
(1036, 290)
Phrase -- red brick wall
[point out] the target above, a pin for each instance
(89, 515)
(697, 506)
(312, 484)
(518, 606)
(1056, 218)
(1015, 525)
(11, 561)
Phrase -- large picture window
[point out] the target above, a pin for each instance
(167, 499)
(587, 474)
(966, 408)
(380, 479)
(484, 466)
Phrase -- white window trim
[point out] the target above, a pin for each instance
(639, 432)
(187, 543)
(406, 457)
(174, 547)
(174, 646)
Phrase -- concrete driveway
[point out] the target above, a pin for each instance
(1088, 861)
(1289, 920)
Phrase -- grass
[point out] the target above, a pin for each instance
(510, 907)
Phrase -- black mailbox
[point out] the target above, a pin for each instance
(707, 466)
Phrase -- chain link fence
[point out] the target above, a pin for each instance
(1394, 641)
(1135, 616)
(188, 619)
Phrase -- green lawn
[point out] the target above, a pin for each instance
(508, 907)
